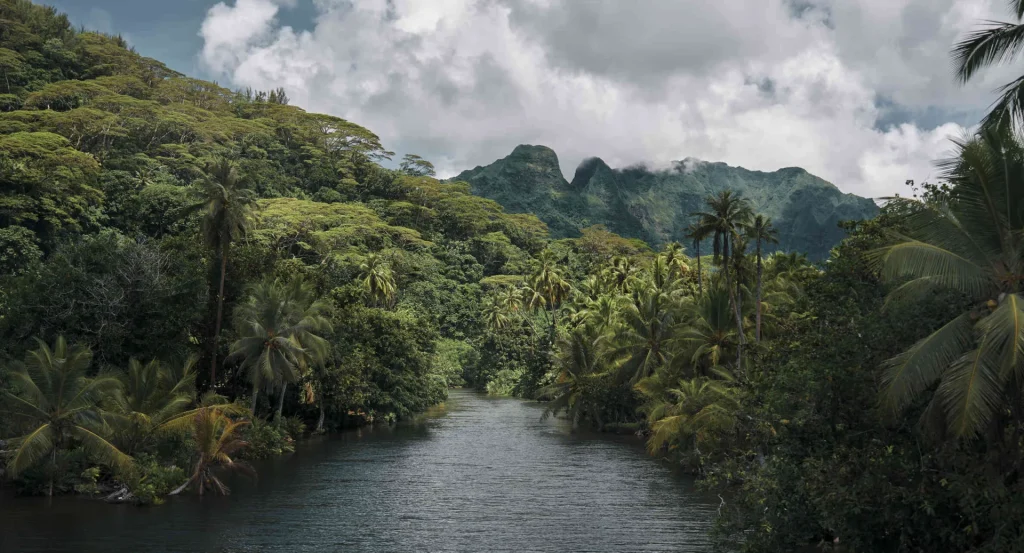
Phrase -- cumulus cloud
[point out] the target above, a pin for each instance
(833, 86)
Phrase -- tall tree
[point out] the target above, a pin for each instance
(58, 403)
(378, 280)
(698, 233)
(582, 363)
(675, 259)
(646, 333)
(761, 231)
(727, 214)
(226, 205)
(970, 242)
(549, 286)
(279, 331)
(997, 42)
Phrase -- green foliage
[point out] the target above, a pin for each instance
(152, 480)
(266, 440)
(56, 404)
(451, 360)
(656, 206)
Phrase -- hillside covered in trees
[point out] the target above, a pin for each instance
(193, 277)
(657, 205)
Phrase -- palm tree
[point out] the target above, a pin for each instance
(708, 335)
(511, 299)
(697, 411)
(620, 271)
(217, 439)
(150, 397)
(378, 280)
(761, 231)
(726, 216)
(698, 233)
(227, 208)
(646, 333)
(675, 259)
(971, 243)
(494, 315)
(278, 330)
(548, 287)
(999, 42)
(581, 356)
(58, 404)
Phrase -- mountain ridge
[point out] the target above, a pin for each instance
(655, 205)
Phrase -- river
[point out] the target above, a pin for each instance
(479, 474)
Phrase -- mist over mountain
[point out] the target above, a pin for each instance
(655, 205)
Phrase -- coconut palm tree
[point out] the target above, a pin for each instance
(217, 439)
(645, 335)
(511, 299)
(58, 404)
(727, 214)
(548, 287)
(708, 335)
(150, 396)
(998, 42)
(495, 315)
(760, 230)
(581, 356)
(226, 206)
(696, 411)
(619, 272)
(698, 233)
(973, 243)
(378, 280)
(675, 259)
(279, 331)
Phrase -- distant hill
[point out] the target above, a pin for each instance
(655, 205)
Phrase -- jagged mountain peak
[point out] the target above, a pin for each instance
(656, 204)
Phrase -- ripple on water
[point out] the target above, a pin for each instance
(484, 474)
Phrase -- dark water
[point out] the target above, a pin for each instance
(482, 474)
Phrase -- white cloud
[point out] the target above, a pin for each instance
(462, 82)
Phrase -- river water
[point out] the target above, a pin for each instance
(479, 474)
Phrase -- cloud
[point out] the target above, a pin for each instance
(858, 92)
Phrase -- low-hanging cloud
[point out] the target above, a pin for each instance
(759, 83)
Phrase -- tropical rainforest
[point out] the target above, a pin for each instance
(192, 278)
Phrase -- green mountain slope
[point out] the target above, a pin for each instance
(656, 205)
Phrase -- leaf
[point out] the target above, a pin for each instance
(913, 371)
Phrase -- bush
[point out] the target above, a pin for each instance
(265, 440)
(504, 382)
(293, 427)
(151, 480)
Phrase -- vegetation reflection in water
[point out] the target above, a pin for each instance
(477, 474)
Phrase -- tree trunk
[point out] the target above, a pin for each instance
(252, 407)
(220, 315)
(736, 306)
(53, 469)
(700, 276)
(757, 328)
(320, 421)
(182, 487)
(554, 324)
(280, 404)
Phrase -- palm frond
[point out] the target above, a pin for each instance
(30, 448)
(915, 259)
(998, 42)
(914, 370)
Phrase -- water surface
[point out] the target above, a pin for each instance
(481, 474)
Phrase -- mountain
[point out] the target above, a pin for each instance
(655, 205)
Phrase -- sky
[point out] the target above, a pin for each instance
(859, 92)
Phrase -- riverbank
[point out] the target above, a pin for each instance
(478, 473)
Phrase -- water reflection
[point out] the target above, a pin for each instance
(481, 474)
